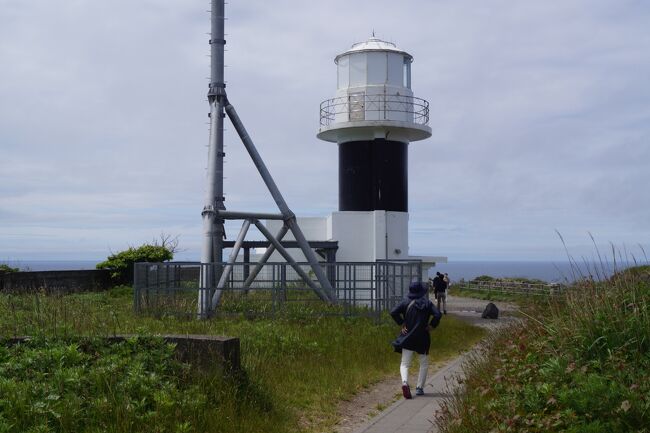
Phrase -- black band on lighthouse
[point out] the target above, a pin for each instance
(373, 175)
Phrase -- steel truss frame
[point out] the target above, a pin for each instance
(214, 212)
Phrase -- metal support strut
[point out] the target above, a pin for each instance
(267, 254)
(290, 217)
(231, 261)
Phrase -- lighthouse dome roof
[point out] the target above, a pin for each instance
(373, 44)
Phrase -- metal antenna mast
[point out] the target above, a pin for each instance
(213, 227)
(214, 212)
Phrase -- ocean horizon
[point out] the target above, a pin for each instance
(551, 271)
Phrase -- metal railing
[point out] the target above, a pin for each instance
(361, 106)
(361, 288)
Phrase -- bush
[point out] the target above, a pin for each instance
(521, 280)
(6, 269)
(484, 278)
(121, 264)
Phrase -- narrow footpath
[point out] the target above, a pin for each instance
(417, 415)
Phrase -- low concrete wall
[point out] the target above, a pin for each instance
(205, 352)
(56, 281)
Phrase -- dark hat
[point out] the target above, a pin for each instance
(439, 274)
(417, 290)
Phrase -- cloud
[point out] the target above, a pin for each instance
(539, 113)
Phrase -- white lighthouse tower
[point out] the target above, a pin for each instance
(372, 119)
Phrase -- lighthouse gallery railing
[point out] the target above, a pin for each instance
(356, 106)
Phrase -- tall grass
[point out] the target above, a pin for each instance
(582, 364)
(296, 369)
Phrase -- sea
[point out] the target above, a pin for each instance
(552, 272)
(467, 270)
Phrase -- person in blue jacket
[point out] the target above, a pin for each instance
(413, 314)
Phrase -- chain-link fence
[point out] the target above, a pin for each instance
(361, 288)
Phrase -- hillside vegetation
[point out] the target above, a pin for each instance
(296, 369)
(581, 363)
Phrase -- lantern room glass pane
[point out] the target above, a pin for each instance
(407, 73)
(376, 68)
(343, 72)
(358, 69)
(395, 69)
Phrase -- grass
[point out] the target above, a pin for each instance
(581, 364)
(296, 369)
(87, 385)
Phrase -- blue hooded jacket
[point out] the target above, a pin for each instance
(416, 319)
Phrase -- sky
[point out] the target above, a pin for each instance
(540, 114)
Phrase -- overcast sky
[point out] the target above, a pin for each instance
(540, 114)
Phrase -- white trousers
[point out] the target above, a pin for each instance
(407, 356)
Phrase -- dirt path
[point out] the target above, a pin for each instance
(368, 404)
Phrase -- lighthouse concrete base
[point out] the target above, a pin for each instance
(363, 236)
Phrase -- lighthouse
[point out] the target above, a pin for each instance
(373, 118)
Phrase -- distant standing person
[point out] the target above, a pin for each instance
(440, 291)
(435, 282)
(447, 283)
(413, 315)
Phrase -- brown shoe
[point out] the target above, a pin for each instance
(406, 391)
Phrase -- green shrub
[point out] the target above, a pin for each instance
(121, 264)
(484, 278)
(487, 278)
(4, 268)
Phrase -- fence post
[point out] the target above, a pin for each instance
(247, 260)
(168, 290)
(136, 300)
(283, 282)
(274, 291)
(352, 288)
